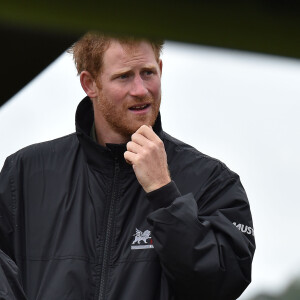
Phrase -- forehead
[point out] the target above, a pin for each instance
(128, 55)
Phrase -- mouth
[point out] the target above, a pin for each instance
(139, 107)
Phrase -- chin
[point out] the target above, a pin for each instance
(128, 131)
(146, 121)
(128, 126)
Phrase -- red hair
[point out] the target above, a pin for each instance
(89, 50)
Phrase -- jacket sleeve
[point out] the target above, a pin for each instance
(205, 242)
(10, 279)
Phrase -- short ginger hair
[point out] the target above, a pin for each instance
(88, 51)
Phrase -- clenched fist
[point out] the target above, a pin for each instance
(146, 153)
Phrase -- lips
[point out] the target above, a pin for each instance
(139, 107)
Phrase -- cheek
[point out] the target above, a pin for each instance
(156, 88)
(115, 94)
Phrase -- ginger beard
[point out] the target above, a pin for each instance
(121, 119)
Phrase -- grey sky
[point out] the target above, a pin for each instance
(239, 107)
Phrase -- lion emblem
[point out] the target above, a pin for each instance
(141, 236)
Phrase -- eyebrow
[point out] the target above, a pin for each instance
(120, 72)
(128, 70)
(149, 66)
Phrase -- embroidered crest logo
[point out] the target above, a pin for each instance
(139, 237)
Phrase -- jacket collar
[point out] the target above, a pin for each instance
(97, 155)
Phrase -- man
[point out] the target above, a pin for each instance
(122, 210)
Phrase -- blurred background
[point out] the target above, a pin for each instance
(231, 88)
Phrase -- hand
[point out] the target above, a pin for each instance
(146, 153)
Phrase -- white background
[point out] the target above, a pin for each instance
(239, 107)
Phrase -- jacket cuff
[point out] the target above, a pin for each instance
(164, 196)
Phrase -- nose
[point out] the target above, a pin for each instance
(138, 88)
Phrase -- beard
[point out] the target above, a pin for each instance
(121, 120)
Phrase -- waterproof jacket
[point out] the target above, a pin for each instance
(79, 226)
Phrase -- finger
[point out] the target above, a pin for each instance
(128, 161)
(139, 139)
(133, 147)
(130, 157)
(148, 133)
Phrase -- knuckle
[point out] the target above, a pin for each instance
(151, 146)
(160, 142)
(144, 152)
(138, 160)
(156, 147)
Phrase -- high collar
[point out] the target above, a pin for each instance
(101, 157)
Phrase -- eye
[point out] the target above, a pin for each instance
(124, 76)
(148, 72)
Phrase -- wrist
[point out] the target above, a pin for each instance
(156, 186)
(164, 196)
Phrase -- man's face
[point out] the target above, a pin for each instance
(128, 88)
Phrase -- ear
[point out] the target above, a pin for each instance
(88, 84)
(160, 66)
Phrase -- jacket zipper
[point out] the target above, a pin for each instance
(108, 233)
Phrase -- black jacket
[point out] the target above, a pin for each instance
(78, 225)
